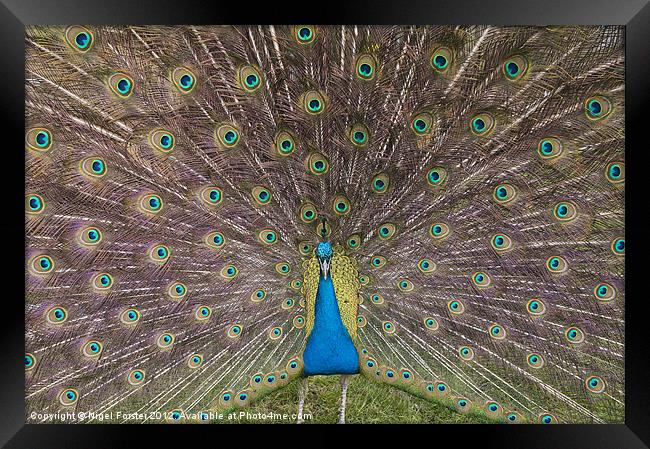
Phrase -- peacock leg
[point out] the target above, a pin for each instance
(302, 393)
(344, 390)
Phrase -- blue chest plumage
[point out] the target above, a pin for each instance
(329, 347)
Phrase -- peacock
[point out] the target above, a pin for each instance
(216, 212)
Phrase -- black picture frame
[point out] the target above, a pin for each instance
(633, 14)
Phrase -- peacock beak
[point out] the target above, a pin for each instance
(324, 266)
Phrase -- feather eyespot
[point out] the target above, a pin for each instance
(121, 84)
(493, 409)
(93, 167)
(466, 353)
(359, 135)
(497, 332)
(388, 327)
(439, 231)
(284, 143)
(308, 212)
(90, 236)
(211, 196)
(377, 262)
(604, 292)
(376, 298)
(341, 205)
(298, 321)
(227, 136)
(426, 266)
(361, 321)
(305, 248)
(618, 246)
(195, 360)
(159, 253)
(203, 313)
(215, 240)
(557, 264)
(250, 78)
(547, 418)
(261, 195)
(536, 307)
(504, 193)
(268, 236)
(313, 102)
(565, 211)
(441, 59)
(282, 268)
(102, 282)
(41, 264)
(79, 38)
(436, 176)
(463, 405)
(421, 124)
(183, 79)
(366, 66)
(130, 316)
(162, 140)
(515, 67)
(136, 377)
(431, 323)
(305, 34)
(229, 272)
(177, 291)
(235, 330)
(615, 172)
(574, 335)
(39, 139)
(69, 397)
(597, 107)
(535, 360)
(34, 204)
(151, 203)
(481, 279)
(595, 384)
(30, 361)
(56, 315)
(380, 183)
(386, 231)
(405, 285)
(317, 164)
(456, 307)
(92, 349)
(550, 148)
(501, 243)
(288, 303)
(165, 341)
(275, 333)
(353, 242)
(482, 124)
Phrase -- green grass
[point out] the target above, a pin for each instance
(368, 402)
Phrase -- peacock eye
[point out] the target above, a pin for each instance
(595, 384)
(261, 195)
(30, 361)
(305, 34)
(536, 307)
(341, 205)
(481, 279)
(501, 243)
(183, 79)
(121, 84)
(504, 193)
(41, 264)
(439, 231)
(366, 67)
(317, 164)
(378, 261)
(515, 67)
(380, 183)
(211, 196)
(463, 405)
(535, 360)
(550, 148)
(421, 124)
(299, 321)
(574, 335)
(388, 327)
(68, 397)
(557, 264)
(441, 59)
(275, 333)
(79, 38)
(268, 236)
(361, 321)
(203, 313)
(130, 316)
(250, 78)
(229, 272)
(34, 204)
(493, 408)
(90, 236)
(283, 268)
(102, 281)
(405, 285)
(294, 365)
(284, 143)
(386, 231)
(497, 332)
(597, 107)
(288, 304)
(227, 136)
(93, 167)
(359, 135)
(313, 102)
(466, 353)
(618, 246)
(136, 377)
(426, 266)
(150, 203)
(604, 292)
(159, 253)
(305, 248)
(308, 213)
(165, 341)
(215, 240)
(56, 315)
(482, 124)
(39, 139)
(353, 241)
(436, 176)
(177, 291)
(565, 211)
(456, 307)
(615, 172)
(162, 140)
(547, 418)
(195, 360)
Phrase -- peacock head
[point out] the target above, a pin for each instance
(324, 253)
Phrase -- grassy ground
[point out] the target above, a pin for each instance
(368, 402)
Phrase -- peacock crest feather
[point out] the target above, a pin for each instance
(214, 212)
